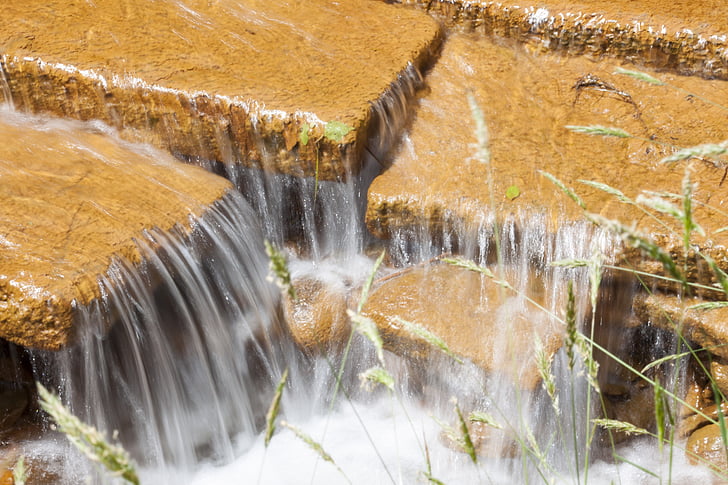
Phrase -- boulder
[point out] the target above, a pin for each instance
(74, 199)
(687, 37)
(476, 318)
(706, 445)
(527, 101)
(317, 317)
(241, 82)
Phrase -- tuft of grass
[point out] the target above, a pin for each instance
(485, 418)
(465, 440)
(598, 130)
(279, 273)
(273, 410)
(640, 76)
(620, 426)
(87, 438)
(376, 375)
(698, 151)
(429, 337)
(543, 364)
(20, 472)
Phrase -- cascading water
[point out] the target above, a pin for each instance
(182, 353)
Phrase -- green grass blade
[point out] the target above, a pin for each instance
(20, 472)
(566, 190)
(621, 426)
(279, 273)
(305, 131)
(640, 76)
(429, 337)
(485, 418)
(598, 130)
(543, 364)
(87, 438)
(705, 150)
(376, 375)
(465, 435)
(618, 194)
(469, 265)
(272, 414)
(368, 283)
(366, 327)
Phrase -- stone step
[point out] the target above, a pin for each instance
(73, 200)
(528, 100)
(242, 82)
(684, 36)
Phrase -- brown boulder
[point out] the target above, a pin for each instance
(73, 200)
(477, 319)
(688, 37)
(232, 81)
(706, 444)
(317, 318)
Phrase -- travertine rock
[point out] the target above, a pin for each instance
(706, 328)
(475, 317)
(73, 200)
(688, 37)
(232, 81)
(528, 100)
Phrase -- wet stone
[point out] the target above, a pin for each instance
(240, 82)
(74, 199)
(436, 179)
(686, 37)
(469, 313)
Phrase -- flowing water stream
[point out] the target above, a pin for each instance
(182, 353)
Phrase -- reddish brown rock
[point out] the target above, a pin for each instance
(688, 37)
(476, 318)
(706, 328)
(233, 81)
(706, 445)
(317, 317)
(74, 200)
(528, 100)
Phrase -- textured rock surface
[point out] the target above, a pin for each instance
(317, 318)
(686, 36)
(232, 81)
(527, 101)
(706, 328)
(73, 200)
(707, 444)
(469, 313)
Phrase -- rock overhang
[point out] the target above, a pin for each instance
(75, 200)
(237, 82)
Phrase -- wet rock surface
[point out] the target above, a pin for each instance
(74, 200)
(527, 101)
(470, 313)
(684, 36)
(231, 81)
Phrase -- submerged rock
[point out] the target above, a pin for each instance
(528, 100)
(476, 318)
(242, 81)
(688, 37)
(73, 200)
(317, 317)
